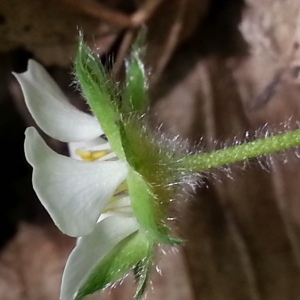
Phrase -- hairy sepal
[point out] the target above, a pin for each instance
(141, 273)
(99, 92)
(149, 212)
(135, 250)
(135, 91)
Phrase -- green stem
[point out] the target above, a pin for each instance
(204, 161)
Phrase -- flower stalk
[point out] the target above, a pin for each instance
(205, 161)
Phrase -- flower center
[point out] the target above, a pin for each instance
(88, 155)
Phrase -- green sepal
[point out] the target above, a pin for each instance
(136, 249)
(141, 273)
(100, 93)
(147, 210)
(135, 90)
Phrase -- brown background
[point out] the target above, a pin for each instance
(219, 70)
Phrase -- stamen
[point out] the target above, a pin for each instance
(90, 155)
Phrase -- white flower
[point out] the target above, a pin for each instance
(75, 190)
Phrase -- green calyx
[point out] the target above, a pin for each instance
(150, 181)
(130, 139)
(120, 112)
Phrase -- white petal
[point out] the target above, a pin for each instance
(73, 192)
(51, 110)
(91, 249)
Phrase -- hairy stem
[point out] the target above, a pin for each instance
(204, 161)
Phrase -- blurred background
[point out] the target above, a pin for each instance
(221, 71)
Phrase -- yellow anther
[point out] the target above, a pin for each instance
(90, 155)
